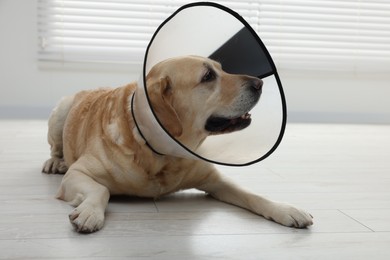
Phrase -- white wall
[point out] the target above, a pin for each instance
(337, 97)
(30, 89)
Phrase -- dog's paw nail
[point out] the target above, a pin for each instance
(86, 219)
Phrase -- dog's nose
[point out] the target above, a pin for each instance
(256, 83)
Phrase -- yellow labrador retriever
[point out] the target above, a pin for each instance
(94, 141)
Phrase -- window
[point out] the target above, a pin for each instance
(352, 35)
(108, 31)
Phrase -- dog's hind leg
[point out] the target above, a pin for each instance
(56, 163)
(282, 213)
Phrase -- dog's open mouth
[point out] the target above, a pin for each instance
(221, 125)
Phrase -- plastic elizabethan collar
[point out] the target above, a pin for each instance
(214, 31)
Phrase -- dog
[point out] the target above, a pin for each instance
(94, 141)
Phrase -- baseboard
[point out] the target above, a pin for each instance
(338, 118)
(24, 112)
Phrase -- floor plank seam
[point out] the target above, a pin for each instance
(357, 221)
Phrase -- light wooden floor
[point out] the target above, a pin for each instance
(339, 173)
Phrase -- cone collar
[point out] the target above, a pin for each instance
(214, 31)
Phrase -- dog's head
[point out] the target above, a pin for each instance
(193, 98)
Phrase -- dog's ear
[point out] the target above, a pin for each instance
(161, 96)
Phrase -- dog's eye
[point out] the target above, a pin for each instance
(209, 76)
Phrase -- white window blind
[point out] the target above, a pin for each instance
(109, 31)
(351, 35)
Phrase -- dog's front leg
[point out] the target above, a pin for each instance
(88, 196)
(226, 191)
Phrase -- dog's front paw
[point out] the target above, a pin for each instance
(86, 219)
(55, 165)
(290, 216)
